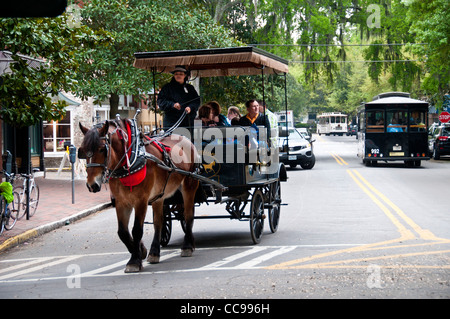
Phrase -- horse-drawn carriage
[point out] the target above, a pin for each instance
(176, 169)
(248, 175)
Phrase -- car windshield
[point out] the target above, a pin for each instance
(446, 131)
(294, 135)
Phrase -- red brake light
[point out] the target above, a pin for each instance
(443, 138)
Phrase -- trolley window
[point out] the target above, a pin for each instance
(417, 121)
(375, 121)
(397, 121)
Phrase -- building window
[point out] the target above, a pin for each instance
(56, 133)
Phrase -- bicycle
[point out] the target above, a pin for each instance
(34, 195)
(9, 212)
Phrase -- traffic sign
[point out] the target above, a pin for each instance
(444, 117)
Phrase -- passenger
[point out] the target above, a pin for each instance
(206, 115)
(254, 117)
(394, 127)
(219, 118)
(177, 96)
(416, 122)
(233, 112)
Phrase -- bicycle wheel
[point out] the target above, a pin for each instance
(22, 204)
(34, 199)
(13, 212)
(2, 214)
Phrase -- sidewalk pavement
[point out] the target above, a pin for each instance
(55, 208)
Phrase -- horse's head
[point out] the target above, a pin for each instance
(95, 150)
(103, 147)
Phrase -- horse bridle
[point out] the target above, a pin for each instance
(107, 172)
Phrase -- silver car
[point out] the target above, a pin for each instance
(295, 149)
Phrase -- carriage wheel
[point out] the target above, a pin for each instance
(257, 216)
(166, 230)
(274, 211)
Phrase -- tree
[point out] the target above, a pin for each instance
(430, 23)
(25, 92)
(137, 26)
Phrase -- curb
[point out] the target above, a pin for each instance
(38, 231)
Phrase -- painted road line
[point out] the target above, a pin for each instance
(37, 268)
(404, 232)
(25, 264)
(405, 235)
(339, 159)
(104, 269)
(234, 257)
(255, 261)
(423, 233)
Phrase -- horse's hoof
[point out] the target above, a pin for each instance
(186, 253)
(132, 268)
(153, 259)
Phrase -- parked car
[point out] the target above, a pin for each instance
(433, 130)
(442, 142)
(304, 132)
(295, 149)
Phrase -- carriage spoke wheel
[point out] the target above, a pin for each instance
(257, 216)
(166, 230)
(274, 211)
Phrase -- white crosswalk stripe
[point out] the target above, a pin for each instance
(233, 257)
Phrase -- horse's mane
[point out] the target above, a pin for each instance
(91, 141)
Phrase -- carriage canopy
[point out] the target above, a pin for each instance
(213, 62)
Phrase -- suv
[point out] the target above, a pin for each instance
(442, 142)
(295, 149)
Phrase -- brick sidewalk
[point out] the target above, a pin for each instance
(55, 205)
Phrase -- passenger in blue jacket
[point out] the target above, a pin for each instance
(177, 96)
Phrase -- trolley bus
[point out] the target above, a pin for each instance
(332, 123)
(393, 127)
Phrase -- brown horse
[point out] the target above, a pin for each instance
(104, 147)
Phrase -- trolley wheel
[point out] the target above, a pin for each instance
(166, 230)
(257, 216)
(274, 211)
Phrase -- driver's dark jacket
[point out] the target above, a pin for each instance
(184, 94)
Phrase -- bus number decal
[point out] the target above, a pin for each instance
(375, 151)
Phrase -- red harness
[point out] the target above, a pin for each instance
(137, 177)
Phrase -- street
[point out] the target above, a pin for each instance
(346, 231)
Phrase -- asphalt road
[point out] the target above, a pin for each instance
(346, 231)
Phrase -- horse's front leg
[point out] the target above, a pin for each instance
(133, 244)
(158, 219)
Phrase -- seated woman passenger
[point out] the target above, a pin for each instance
(233, 113)
(219, 118)
(205, 114)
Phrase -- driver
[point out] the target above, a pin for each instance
(177, 96)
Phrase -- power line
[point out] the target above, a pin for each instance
(335, 45)
(362, 61)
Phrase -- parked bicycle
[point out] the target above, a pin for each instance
(9, 205)
(34, 194)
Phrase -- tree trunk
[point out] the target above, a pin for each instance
(113, 105)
